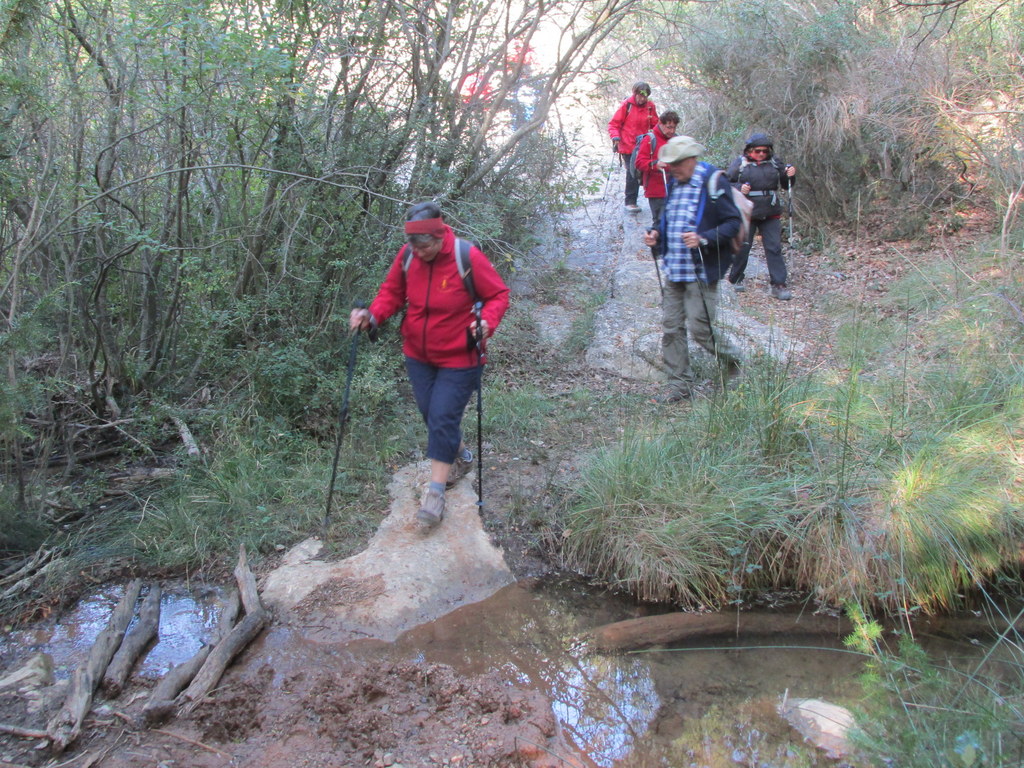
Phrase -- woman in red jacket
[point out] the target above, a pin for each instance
(438, 332)
(634, 117)
(652, 173)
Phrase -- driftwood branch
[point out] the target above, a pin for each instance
(244, 633)
(65, 726)
(25, 733)
(191, 446)
(134, 644)
(160, 705)
(247, 583)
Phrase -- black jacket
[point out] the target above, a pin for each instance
(765, 179)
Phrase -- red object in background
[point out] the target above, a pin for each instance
(476, 88)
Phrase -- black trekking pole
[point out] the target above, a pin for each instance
(481, 355)
(343, 416)
(789, 205)
(657, 269)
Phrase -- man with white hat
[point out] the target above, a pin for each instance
(693, 239)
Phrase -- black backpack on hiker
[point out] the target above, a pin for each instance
(633, 171)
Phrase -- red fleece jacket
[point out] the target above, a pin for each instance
(630, 121)
(439, 309)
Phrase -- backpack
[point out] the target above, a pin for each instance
(461, 261)
(742, 203)
(633, 170)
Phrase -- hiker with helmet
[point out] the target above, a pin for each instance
(635, 116)
(652, 172)
(438, 332)
(693, 239)
(759, 175)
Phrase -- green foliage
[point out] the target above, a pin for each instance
(895, 481)
(263, 487)
(830, 82)
(920, 712)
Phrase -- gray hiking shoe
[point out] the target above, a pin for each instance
(632, 208)
(431, 508)
(781, 292)
(460, 467)
(739, 286)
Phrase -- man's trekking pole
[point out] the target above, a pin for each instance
(657, 269)
(481, 356)
(343, 415)
(707, 314)
(789, 205)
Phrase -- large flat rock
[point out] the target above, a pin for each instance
(407, 575)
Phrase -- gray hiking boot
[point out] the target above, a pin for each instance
(632, 208)
(462, 464)
(781, 292)
(739, 286)
(431, 508)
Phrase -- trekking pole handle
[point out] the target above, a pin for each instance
(478, 337)
(372, 330)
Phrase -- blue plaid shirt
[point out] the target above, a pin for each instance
(681, 216)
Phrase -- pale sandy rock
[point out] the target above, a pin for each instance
(826, 726)
(407, 575)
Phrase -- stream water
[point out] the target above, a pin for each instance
(621, 710)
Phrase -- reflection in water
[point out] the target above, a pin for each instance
(186, 620)
(614, 706)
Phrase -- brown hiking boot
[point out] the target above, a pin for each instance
(459, 469)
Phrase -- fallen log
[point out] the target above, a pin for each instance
(213, 668)
(160, 704)
(247, 583)
(65, 726)
(669, 628)
(134, 644)
(191, 446)
(243, 633)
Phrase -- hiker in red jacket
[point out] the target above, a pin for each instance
(438, 335)
(635, 117)
(652, 172)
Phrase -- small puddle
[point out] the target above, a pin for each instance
(187, 618)
(620, 709)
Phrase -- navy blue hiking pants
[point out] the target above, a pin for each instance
(442, 395)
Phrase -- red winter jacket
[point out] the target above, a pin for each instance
(439, 309)
(653, 178)
(630, 121)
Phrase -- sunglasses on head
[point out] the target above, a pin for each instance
(643, 93)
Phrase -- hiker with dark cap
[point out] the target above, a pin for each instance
(760, 175)
(653, 175)
(693, 239)
(635, 116)
(438, 334)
